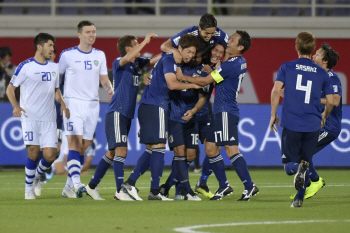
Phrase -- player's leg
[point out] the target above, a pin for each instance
(141, 166)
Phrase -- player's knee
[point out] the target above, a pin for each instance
(121, 151)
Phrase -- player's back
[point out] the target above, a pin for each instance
(158, 92)
(303, 83)
(82, 71)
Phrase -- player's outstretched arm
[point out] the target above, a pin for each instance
(275, 97)
(199, 105)
(167, 47)
(136, 50)
(202, 81)
(154, 59)
(59, 99)
(175, 84)
(106, 84)
(10, 92)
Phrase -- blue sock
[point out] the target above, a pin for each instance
(101, 170)
(313, 174)
(82, 160)
(291, 168)
(40, 156)
(206, 171)
(118, 167)
(42, 167)
(181, 170)
(172, 179)
(218, 166)
(157, 166)
(141, 167)
(241, 168)
(301, 192)
(73, 163)
(30, 172)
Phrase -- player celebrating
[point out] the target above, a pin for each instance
(327, 58)
(121, 111)
(39, 82)
(303, 82)
(83, 66)
(153, 116)
(223, 128)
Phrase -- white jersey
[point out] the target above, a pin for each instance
(83, 72)
(37, 83)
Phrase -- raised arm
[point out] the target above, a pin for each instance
(10, 92)
(167, 47)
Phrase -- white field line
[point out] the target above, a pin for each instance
(191, 229)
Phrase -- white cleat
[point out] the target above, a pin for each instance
(192, 197)
(37, 186)
(158, 197)
(29, 194)
(131, 191)
(79, 190)
(122, 196)
(93, 193)
(69, 193)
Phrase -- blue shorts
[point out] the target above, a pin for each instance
(223, 129)
(297, 146)
(324, 139)
(203, 126)
(153, 124)
(117, 128)
(183, 134)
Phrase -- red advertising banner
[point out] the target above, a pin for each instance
(264, 58)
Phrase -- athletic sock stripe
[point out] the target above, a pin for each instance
(216, 159)
(179, 158)
(235, 157)
(159, 150)
(71, 170)
(73, 162)
(148, 151)
(107, 160)
(119, 159)
(30, 172)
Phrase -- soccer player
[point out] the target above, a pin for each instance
(38, 80)
(327, 58)
(303, 82)
(83, 66)
(207, 33)
(153, 116)
(223, 127)
(126, 72)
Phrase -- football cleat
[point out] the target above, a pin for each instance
(37, 186)
(164, 190)
(312, 189)
(297, 203)
(158, 197)
(29, 194)
(93, 193)
(299, 178)
(247, 194)
(122, 196)
(69, 193)
(131, 191)
(179, 197)
(79, 190)
(204, 190)
(220, 193)
(192, 197)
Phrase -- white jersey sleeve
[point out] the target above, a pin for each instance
(103, 70)
(62, 63)
(58, 77)
(20, 74)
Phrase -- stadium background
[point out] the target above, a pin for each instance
(273, 44)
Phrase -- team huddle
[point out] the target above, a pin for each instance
(174, 108)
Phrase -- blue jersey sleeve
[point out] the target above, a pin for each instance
(336, 84)
(143, 61)
(223, 37)
(327, 87)
(222, 72)
(175, 39)
(281, 74)
(169, 65)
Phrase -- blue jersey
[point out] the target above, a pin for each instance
(219, 37)
(228, 76)
(184, 100)
(126, 80)
(158, 92)
(303, 82)
(208, 89)
(333, 122)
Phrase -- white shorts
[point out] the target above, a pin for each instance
(83, 117)
(40, 133)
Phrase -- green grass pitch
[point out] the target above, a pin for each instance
(269, 211)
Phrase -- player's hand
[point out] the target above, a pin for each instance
(218, 64)
(147, 79)
(177, 56)
(65, 110)
(188, 115)
(195, 86)
(149, 37)
(110, 93)
(179, 74)
(206, 69)
(274, 121)
(17, 111)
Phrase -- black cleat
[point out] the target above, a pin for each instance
(299, 178)
(163, 190)
(297, 203)
(247, 194)
(220, 193)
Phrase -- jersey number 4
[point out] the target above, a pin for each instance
(306, 88)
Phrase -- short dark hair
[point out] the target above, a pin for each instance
(207, 21)
(245, 40)
(42, 38)
(4, 51)
(83, 24)
(329, 55)
(54, 49)
(123, 42)
(189, 40)
(305, 43)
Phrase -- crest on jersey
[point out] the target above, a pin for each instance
(54, 74)
(96, 63)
